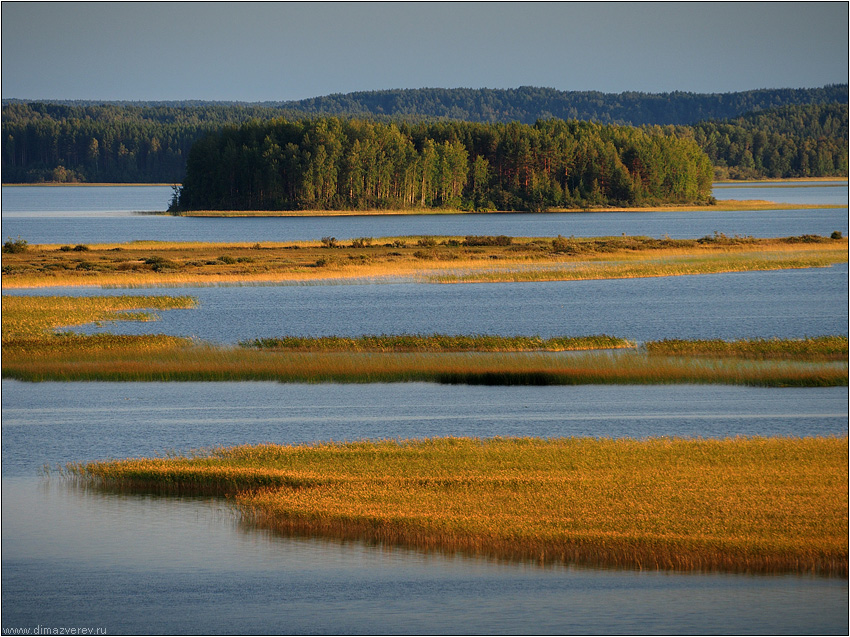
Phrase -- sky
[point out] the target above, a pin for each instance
(278, 51)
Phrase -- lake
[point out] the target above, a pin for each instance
(95, 214)
(779, 303)
(77, 556)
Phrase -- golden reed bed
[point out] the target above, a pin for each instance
(425, 259)
(757, 505)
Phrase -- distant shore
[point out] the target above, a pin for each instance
(767, 180)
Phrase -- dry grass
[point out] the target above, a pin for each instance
(33, 317)
(822, 348)
(439, 343)
(183, 362)
(746, 505)
(427, 259)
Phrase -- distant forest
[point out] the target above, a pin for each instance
(764, 133)
(332, 163)
(528, 104)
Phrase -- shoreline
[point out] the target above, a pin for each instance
(729, 205)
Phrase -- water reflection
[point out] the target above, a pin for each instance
(137, 564)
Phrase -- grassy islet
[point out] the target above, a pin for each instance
(744, 504)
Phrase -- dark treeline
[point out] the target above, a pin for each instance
(110, 143)
(791, 141)
(329, 163)
(150, 142)
(527, 104)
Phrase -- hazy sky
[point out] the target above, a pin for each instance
(286, 50)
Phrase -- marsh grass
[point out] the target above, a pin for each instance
(33, 317)
(208, 363)
(759, 505)
(430, 259)
(641, 266)
(438, 343)
(823, 348)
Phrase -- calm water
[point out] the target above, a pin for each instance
(73, 215)
(80, 557)
(142, 565)
(130, 563)
(54, 423)
(833, 193)
(783, 303)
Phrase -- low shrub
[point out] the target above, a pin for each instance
(15, 246)
(160, 264)
(564, 245)
(501, 240)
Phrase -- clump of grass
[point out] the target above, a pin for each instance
(745, 504)
(438, 343)
(826, 348)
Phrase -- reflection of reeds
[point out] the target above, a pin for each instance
(754, 504)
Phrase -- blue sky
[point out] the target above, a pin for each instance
(284, 51)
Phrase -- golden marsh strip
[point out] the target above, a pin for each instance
(422, 258)
(757, 505)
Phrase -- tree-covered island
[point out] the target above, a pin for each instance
(334, 164)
